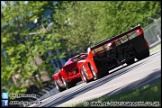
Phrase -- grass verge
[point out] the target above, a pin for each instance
(155, 48)
(149, 95)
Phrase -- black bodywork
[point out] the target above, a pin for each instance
(126, 52)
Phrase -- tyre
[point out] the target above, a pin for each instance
(143, 54)
(131, 61)
(60, 89)
(84, 78)
(67, 84)
(95, 74)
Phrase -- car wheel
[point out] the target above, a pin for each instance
(143, 54)
(67, 85)
(131, 61)
(84, 76)
(58, 87)
(95, 75)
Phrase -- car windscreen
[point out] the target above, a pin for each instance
(80, 57)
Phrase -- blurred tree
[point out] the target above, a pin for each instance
(21, 51)
(84, 23)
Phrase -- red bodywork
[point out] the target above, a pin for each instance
(69, 72)
(91, 53)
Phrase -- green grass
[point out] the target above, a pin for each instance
(155, 48)
(148, 93)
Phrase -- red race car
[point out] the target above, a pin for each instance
(69, 75)
(113, 52)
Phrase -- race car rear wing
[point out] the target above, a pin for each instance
(118, 36)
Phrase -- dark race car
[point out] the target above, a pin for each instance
(113, 52)
(69, 75)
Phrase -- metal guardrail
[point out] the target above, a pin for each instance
(48, 94)
(152, 33)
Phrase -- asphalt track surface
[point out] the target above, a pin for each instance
(123, 79)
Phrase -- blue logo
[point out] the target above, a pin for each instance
(4, 95)
(4, 102)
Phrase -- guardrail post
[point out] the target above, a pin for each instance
(157, 25)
